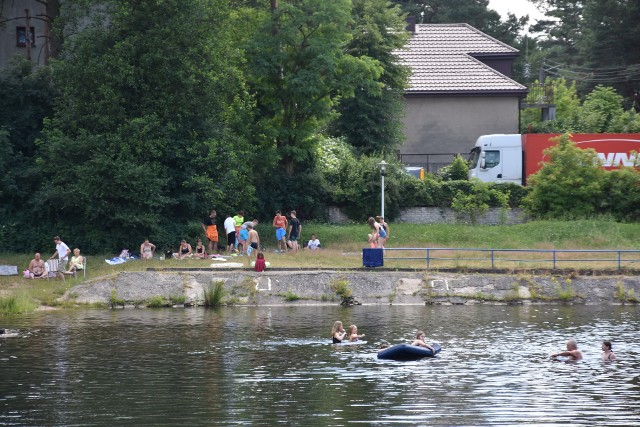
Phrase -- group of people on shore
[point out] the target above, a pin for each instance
(242, 237)
(38, 268)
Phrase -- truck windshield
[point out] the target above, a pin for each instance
(474, 155)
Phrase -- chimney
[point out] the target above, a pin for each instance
(411, 24)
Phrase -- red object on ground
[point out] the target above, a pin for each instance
(260, 265)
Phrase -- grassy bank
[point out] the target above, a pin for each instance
(342, 248)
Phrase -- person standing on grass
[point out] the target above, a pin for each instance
(230, 229)
(210, 230)
(253, 240)
(295, 229)
(63, 252)
(280, 224)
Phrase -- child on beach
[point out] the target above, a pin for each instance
(253, 239)
(353, 334)
(261, 264)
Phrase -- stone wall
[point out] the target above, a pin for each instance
(379, 287)
(424, 215)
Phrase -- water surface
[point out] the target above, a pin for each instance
(275, 365)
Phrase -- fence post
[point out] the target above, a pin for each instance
(428, 256)
(554, 260)
(492, 267)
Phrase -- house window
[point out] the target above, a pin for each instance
(21, 36)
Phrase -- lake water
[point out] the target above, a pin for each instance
(274, 365)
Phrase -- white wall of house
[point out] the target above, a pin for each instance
(8, 42)
(452, 124)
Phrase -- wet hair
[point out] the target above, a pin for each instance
(573, 343)
(419, 333)
(607, 344)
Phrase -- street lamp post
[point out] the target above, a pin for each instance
(383, 171)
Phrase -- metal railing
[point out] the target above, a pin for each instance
(540, 258)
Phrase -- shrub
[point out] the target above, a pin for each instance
(213, 294)
(569, 185)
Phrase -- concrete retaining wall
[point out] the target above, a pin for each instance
(366, 287)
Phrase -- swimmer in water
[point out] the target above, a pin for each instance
(572, 351)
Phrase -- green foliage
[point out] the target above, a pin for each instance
(16, 304)
(341, 287)
(214, 293)
(621, 190)
(457, 170)
(177, 299)
(471, 205)
(157, 301)
(114, 300)
(569, 185)
(371, 121)
(304, 191)
(356, 187)
(301, 70)
(149, 120)
(290, 296)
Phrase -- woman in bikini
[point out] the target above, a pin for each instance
(147, 249)
(200, 252)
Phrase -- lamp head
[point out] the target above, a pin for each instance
(383, 167)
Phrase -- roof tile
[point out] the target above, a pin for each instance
(441, 59)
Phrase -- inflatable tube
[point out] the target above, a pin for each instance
(408, 352)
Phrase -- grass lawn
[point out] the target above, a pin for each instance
(342, 248)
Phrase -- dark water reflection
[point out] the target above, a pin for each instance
(273, 365)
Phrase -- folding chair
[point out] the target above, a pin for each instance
(84, 266)
(52, 267)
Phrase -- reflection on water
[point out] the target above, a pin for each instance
(268, 365)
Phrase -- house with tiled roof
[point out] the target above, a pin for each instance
(460, 87)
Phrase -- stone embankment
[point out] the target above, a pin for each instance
(383, 287)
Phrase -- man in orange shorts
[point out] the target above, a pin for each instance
(209, 227)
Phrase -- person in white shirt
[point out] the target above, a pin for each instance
(314, 243)
(63, 252)
(230, 229)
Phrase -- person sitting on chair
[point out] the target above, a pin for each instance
(37, 268)
(76, 263)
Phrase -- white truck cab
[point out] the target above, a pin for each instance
(497, 158)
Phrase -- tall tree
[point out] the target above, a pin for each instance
(610, 46)
(372, 120)
(300, 71)
(473, 12)
(146, 135)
